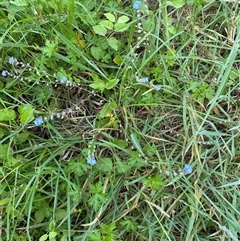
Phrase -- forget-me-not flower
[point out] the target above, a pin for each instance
(12, 60)
(4, 73)
(38, 121)
(187, 169)
(143, 80)
(63, 80)
(157, 87)
(137, 5)
(91, 160)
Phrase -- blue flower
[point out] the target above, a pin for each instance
(143, 80)
(63, 80)
(4, 73)
(137, 5)
(91, 160)
(187, 169)
(38, 121)
(157, 87)
(12, 60)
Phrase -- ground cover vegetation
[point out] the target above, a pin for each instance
(119, 120)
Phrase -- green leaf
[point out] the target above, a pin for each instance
(113, 43)
(4, 201)
(22, 137)
(120, 27)
(7, 115)
(52, 234)
(122, 167)
(176, 3)
(111, 83)
(104, 111)
(99, 29)
(104, 165)
(95, 236)
(117, 60)
(98, 85)
(107, 24)
(26, 113)
(43, 237)
(123, 19)
(97, 52)
(110, 17)
(39, 216)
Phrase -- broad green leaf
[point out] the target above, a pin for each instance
(4, 201)
(107, 108)
(7, 115)
(97, 52)
(113, 105)
(26, 113)
(52, 234)
(39, 216)
(110, 17)
(123, 19)
(98, 85)
(120, 27)
(105, 165)
(43, 237)
(12, 161)
(99, 29)
(111, 83)
(22, 137)
(104, 111)
(122, 167)
(176, 3)
(60, 214)
(107, 24)
(117, 60)
(113, 43)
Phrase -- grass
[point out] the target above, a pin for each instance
(76, 65)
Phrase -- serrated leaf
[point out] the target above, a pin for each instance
(123, 19)
(105, 165)
(120, 27)
(107, 24)
(99, 29)
(111, 83)
(113, 43)
(110, 17)
(7, 115)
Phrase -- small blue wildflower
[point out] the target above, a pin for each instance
(38, 121)
(63, 80)
(4, 73)
(137, 5)
(157, 87)
(187, 169)
(91, 160)
(143, 80)
(12, 60)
